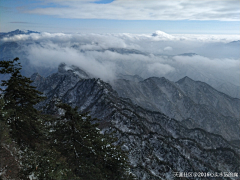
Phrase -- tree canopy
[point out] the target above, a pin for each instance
(91, 154)
(20, 97)
(67, 147)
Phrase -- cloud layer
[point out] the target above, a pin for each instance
(224, 10)
(158, 54)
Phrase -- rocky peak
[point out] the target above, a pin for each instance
(186, 79)
(65, 69)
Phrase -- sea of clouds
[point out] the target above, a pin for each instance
(158, 54)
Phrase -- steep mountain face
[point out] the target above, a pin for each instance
(202, 93)
(157, 145)
(195, 104)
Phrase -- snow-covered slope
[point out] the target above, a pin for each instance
(195, 104)
(157, 145)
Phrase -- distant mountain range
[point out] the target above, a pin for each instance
(194, 103)
(234, 43)
(157, 145)
(16, 32)
(11, 49)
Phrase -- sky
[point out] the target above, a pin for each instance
(106, 38)
(122, 16)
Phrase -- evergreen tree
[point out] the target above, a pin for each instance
(2, 124)
(45, 164)
(90, 154)
(20, 98)
(4, 130)
(70, 147)
(20, 120)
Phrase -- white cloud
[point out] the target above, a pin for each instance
(120, 39)
(163, 36)
(159, 69)
(168, 48)
(225, 10)
(51, 55)
(105, 55)
(206, 37)
(224, 69)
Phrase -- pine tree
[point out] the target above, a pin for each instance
(70, 147)
(4, 130)
(25, 125)
(90, 154)
(46, 163)
(20, 98)
(2, 124)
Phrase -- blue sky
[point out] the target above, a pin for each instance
(122, 16)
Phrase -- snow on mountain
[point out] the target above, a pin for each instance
(196, 104)
(157, 145)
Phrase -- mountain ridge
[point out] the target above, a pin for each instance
(153, 141)
(177, 102)
(16, 32)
